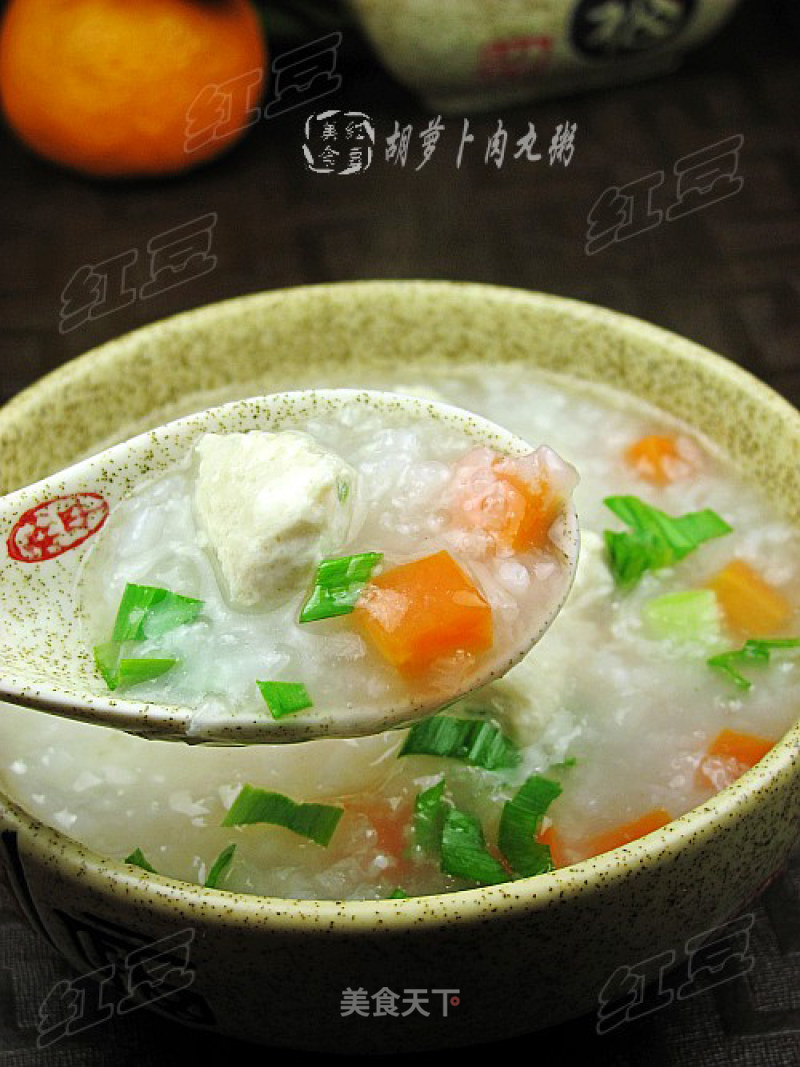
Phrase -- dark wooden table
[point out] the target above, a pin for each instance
(726, 276)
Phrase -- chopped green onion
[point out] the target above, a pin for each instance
(148, 611)
(474, 741)
(337, 585)
(756, 650)
(690, 616)
(106, 658)
(657, 539)
(219, 867)
(118, 672)
(315, 821)
(429, 812)
(464, 852)
(342, 490)
(138, 859)
(520, 822)
(284, 698)
(398, 893)
(570, 761)
(724, 664)
(133, 671)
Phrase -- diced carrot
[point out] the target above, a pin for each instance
(498, 507)
(751, 606)
(390, 824)
(540, 509)
(728, 756)
(552, 838)
(515, 512)
(629, 831)
(420, 611)
(658, 459)
(747, 748)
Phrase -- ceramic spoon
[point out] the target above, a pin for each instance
(50, 528)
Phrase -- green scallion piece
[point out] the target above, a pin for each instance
(285, 698)
(106, 658)
(755, 650)
(133, 671)
(138, 859)
(117, 671)
(219, 867)
(315, 821)
(148, 611)
(398, 893)
(520, 822)
(464, 852)
(429, 812)
(337, 585)
(570, 761)
(656, 539)
(473, 741)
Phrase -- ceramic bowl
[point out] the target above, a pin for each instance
(510, 958)
(475, 55)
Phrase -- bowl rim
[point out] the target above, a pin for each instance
(692, 829)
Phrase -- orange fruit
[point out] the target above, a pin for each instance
(128, 88)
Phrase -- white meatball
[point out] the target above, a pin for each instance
(270, 505)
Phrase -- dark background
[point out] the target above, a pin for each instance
(727, 276)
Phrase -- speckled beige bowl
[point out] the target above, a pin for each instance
(521, 955)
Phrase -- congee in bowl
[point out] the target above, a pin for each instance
(631, 783)
(672, 668)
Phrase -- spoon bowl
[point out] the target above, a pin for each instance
(51, 528)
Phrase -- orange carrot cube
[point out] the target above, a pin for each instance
(629, 831)
(540, 508)
(391, 824)
(728, 756)
(421, 611)
(658, 459)
(751, 606)
(515, 511)
(498, 508)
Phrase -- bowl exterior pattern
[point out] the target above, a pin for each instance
(519, 956)
(475, 55)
